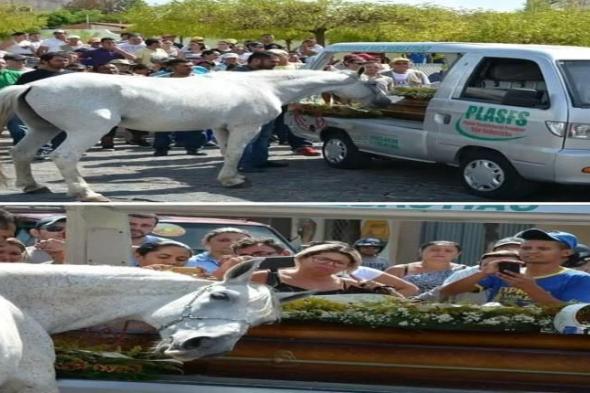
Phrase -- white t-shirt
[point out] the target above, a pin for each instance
(53, 44)
(366, 273)
(400, 79)
(21, 48)
(131, 48)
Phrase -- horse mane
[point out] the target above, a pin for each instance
(71, 276)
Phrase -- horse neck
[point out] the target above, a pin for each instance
(295, 85)
(61, 298)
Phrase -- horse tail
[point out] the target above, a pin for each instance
(8, 99)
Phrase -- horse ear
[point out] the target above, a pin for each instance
(242, 271)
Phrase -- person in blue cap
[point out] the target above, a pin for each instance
(543, 282)
(50, 234)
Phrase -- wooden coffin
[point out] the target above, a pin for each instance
(388, 356)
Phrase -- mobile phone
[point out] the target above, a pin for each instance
(509, 266)
(278, 262)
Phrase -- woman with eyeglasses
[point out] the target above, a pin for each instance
(321, 268)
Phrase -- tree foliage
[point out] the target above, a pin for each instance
(105, 6)
(14, 18)
(342, 20)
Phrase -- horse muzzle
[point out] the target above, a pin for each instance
(201, 346)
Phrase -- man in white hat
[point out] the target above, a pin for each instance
(229, 61)
(53, 44)
(72, 43)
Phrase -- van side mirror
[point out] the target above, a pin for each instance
(523, 97)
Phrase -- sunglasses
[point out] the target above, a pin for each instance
(54, 228)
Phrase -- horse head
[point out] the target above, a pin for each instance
(366, 92)
(210, 321)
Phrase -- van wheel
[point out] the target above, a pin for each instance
(490, 175)
(340, 152)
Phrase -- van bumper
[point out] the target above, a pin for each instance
(569, 164)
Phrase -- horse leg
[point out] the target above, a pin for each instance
(237, 140)
(24, 153)
(66, 158)
(68, 154)
(36, 372)
(221, 135)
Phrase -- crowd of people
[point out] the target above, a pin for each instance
(25, 58)
(533, 267)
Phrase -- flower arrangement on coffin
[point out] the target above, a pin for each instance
(429, 316)
(416, 93)
(75, 361)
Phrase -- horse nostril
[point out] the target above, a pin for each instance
(193, 343)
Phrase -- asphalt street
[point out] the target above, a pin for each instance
(132, 173)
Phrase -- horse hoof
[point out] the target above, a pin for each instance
(244, 184)
(94, 198)
(36, 190)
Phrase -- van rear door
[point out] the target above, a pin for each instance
(575, 73)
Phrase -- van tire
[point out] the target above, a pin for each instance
(489, 174)
(340, 152)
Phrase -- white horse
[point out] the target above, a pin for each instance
(86, 106)
(195, 318)
(11, 344)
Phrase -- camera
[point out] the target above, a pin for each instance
(509, 266)
(278, 262)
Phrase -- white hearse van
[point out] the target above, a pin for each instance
(507, 115)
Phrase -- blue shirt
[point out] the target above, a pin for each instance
(565, 285)
(205, 261)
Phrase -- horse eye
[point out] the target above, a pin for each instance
(219, 296)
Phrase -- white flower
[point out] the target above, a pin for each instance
(443, 318)
(403, 323)
(523, 318)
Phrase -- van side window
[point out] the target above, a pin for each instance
(513, 82)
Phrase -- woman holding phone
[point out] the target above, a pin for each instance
(320, 268)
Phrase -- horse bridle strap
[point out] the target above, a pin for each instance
(186, 313)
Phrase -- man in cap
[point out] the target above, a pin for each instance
(229, 61)
(50, 234)
(370, 248)
(72, 43)
(123, 65)
(508, 243)
(53, 44)
(544, 281)
(15, 62)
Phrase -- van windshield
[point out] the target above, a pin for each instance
(576, 74)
